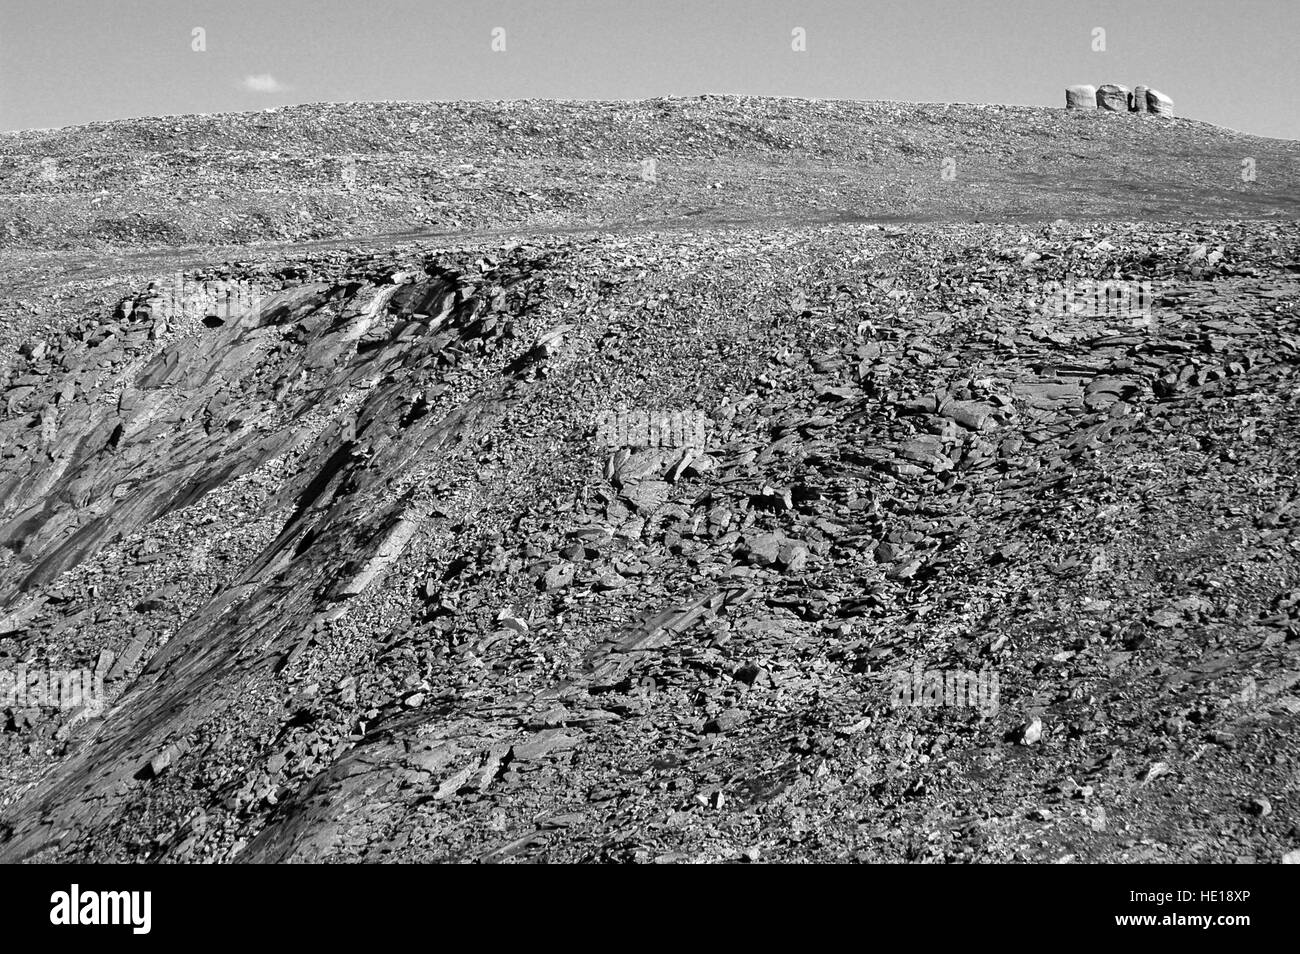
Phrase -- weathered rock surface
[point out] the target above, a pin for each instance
(1159, 103)
(1113, 98)
(1081, 97)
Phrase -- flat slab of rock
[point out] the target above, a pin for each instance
(970, 414)
(1047, 395)
(543, 743)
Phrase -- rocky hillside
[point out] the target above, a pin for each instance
(375, 557)
(322, 171)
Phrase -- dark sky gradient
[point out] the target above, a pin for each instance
(71, 61)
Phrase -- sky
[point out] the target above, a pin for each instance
(1233, 63)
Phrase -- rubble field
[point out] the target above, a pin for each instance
(378, 552)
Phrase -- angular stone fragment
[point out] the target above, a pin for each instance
(726, 720)
(389, 549)
(433, 758)
(647, 494)
(642, 464)
(1047, 395)
(491, 765)
(1103, 392)
(512, 622)
(540, 744)
(1138, 99)
(1031, 732)
(925, 450)
(969, 414)
(793, 557)
(104, 662)
(763, 548)
(549, 344)
(558, 577)
(129, 656)
(609, 580)
(450, 786)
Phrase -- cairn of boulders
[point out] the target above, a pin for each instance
(1119, 99)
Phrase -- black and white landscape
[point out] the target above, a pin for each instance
(706, 478)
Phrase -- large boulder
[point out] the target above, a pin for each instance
(1137, 102)
(1159, 103)
(1113, 98)
(1081, 97)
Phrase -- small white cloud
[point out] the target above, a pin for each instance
(263, 83)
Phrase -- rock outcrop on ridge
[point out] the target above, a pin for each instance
(1113, 98)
